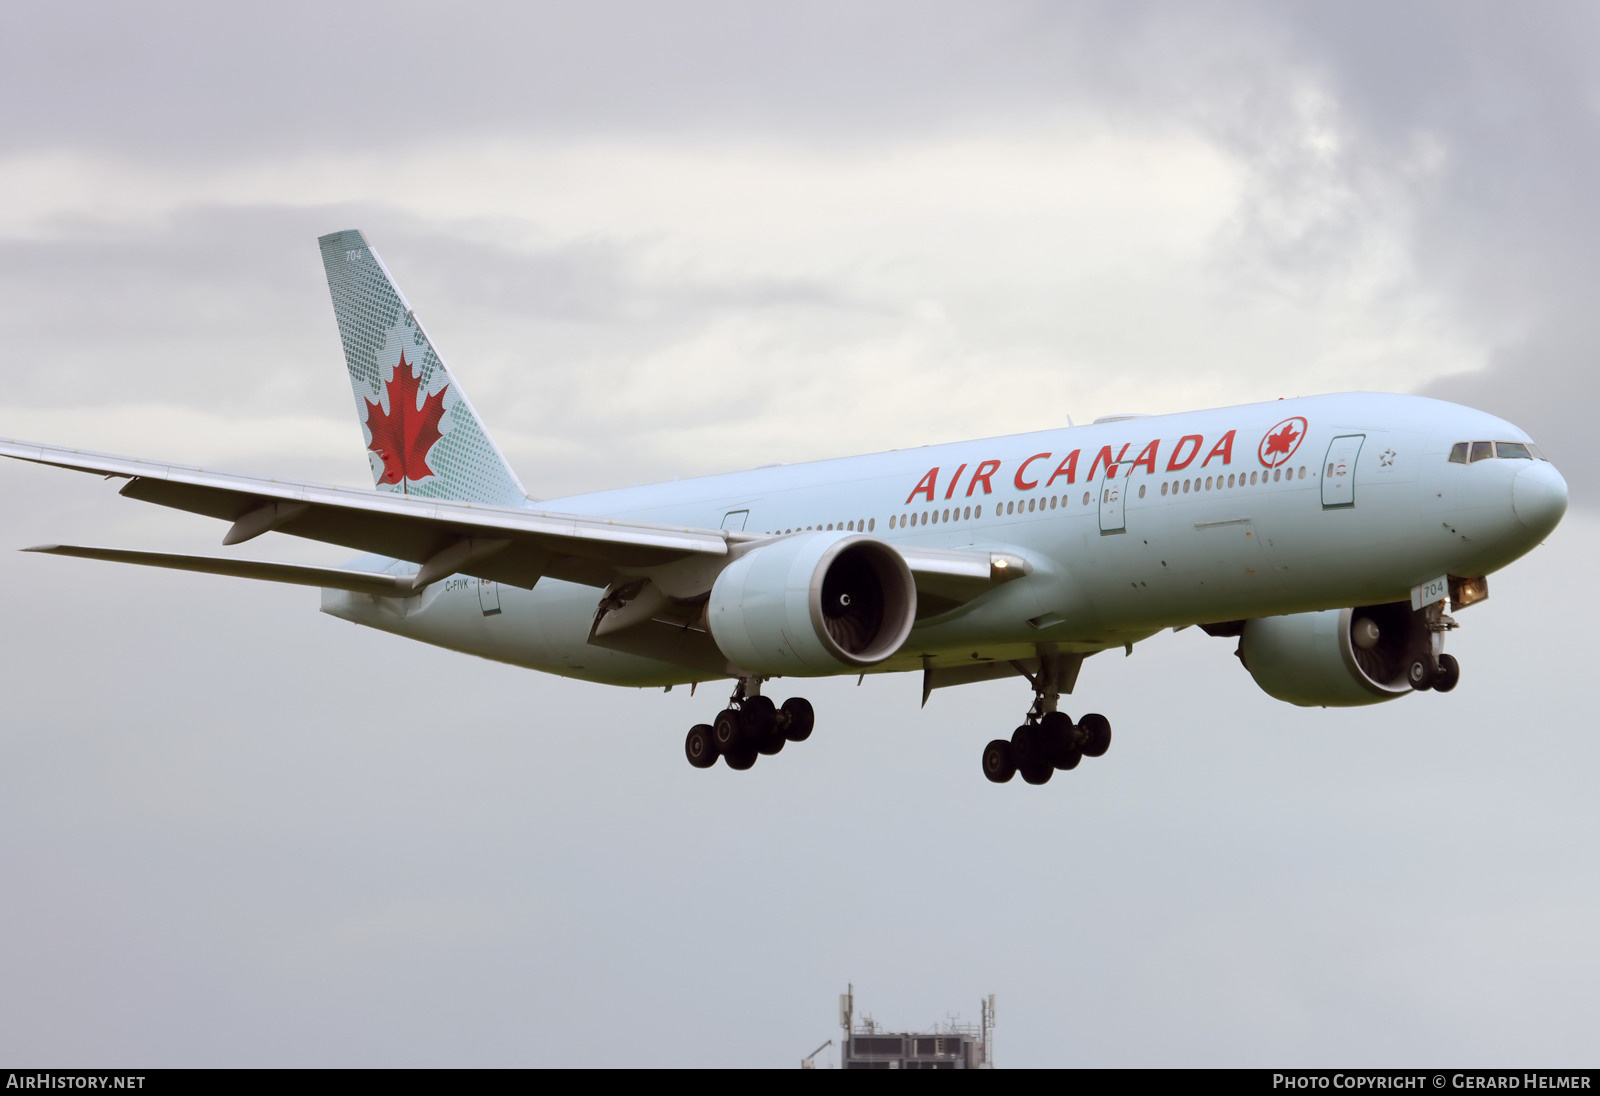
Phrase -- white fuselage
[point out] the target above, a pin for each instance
(1130, 526)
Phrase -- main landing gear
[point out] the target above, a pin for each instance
(751, 725)
(1047, 740)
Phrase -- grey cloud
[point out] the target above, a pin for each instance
(228, 305)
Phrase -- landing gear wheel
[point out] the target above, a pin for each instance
(796, 718)
(1029, 748)
(740, 759)
(759, 715)
(1449, 674)
(1420, 673)
(772, 742)
(728, 733)
(1060, 740)
(700, 747)
(1097, 734)
(1038, 774)
(998, 764)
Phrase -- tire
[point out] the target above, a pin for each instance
(1060, 740)
(797, 719)
(1420, 673)
(1038, 774)
(700, 746)
(771, 743)
(1097, 734)
(998, 764)
(1449, 674)
(740, 759)
(728, 731)
(1028, 747)
(759, 715)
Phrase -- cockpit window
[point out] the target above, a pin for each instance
(1463, 452)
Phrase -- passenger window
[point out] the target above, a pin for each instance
(872, 525)
(1086, 498)
(1141, 490)
(1512, 450)
(1482, 450)
(967, 514)
(978, 513)
(1302, 474)
(1458, 453)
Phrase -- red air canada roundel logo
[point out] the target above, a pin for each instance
(1281, 441)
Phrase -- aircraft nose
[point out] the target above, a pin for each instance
(1539, 497)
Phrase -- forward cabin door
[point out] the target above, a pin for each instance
(1112, 489)
(1339, 471)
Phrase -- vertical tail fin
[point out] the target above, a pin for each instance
(423, 436)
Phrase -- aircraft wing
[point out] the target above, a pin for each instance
(514, 546)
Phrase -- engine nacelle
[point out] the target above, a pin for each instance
(813, 603)
(1337, 658)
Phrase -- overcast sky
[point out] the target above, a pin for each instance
(659, 240)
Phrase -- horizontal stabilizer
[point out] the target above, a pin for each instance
(335, 578)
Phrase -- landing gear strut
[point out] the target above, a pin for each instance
(750, 726)
(1048, 739)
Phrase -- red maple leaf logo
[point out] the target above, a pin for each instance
(1279, 442)
(403, 436)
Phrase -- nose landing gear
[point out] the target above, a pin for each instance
(1429, 669)
(749, 727)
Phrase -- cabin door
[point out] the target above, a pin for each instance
(1112, 489)
(1339, 471)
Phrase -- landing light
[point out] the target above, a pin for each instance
(1467, 591)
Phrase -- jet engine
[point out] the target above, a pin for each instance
(812, 603)
(1336, 658)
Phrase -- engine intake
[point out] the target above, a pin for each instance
(1335, 658)
(813, 603)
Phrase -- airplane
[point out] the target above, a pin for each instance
(1330, 536)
